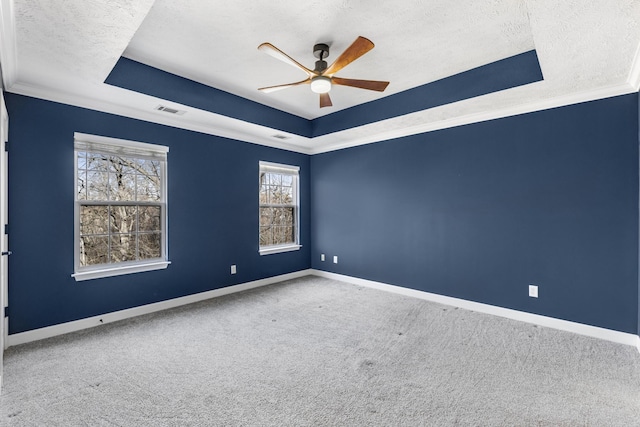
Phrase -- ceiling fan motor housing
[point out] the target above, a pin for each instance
(320, 66)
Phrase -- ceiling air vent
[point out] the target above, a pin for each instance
(280, 136)
(170, 110)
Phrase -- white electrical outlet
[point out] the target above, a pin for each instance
(533, 291)
(335, 259)
(233, 269)
(321, 257)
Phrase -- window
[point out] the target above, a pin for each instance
(120, 207)
(279, 208)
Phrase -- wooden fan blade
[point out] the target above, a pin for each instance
(270, 89)
(353, 52)
(325, 100)
(271, 50)
(362, 84)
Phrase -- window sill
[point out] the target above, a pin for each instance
(120, 270)
(268, 250)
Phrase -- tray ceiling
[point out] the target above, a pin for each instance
(65, 50)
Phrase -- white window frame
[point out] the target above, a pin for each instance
(294, 171)
(119, 147)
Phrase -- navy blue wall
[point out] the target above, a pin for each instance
(213, 215)
(481, 211)
(476, 212)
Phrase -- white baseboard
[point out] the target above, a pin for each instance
(90, 322)
(536, 319)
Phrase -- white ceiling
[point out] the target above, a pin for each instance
(64, 50)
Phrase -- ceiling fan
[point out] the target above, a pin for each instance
(322, 76)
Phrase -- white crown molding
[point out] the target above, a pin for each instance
(90, 322)
(8, 56)
(634, 74)
(536, 319)
(561, 101)
(222, 126)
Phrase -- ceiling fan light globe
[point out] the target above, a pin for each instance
(321, 84)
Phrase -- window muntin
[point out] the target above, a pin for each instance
(120, 207)
(279, 208)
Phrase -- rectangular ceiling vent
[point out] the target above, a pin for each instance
(170, 110)
(280, 136)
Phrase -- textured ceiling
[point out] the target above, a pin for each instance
(64, 50)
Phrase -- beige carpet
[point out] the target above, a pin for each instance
(316, 352)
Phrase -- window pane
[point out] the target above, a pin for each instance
(288, 234)
(122, 165)
(94, 250)
(97, 162)
(148, 187)
(82, 160)
(275, 235)
(276, 179)
(97, 185)
(283, 216)
(149, 218)
(149, 167)
(276, 194)
(82, 185)
(123, 219)
(149, 245)
(287, 195)
(123, 247)
(266, 236)
(277, 216)
(122, 187)
(264, 194)
(94, 220)
(266, 215)
(287, 180)
(278, 236)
